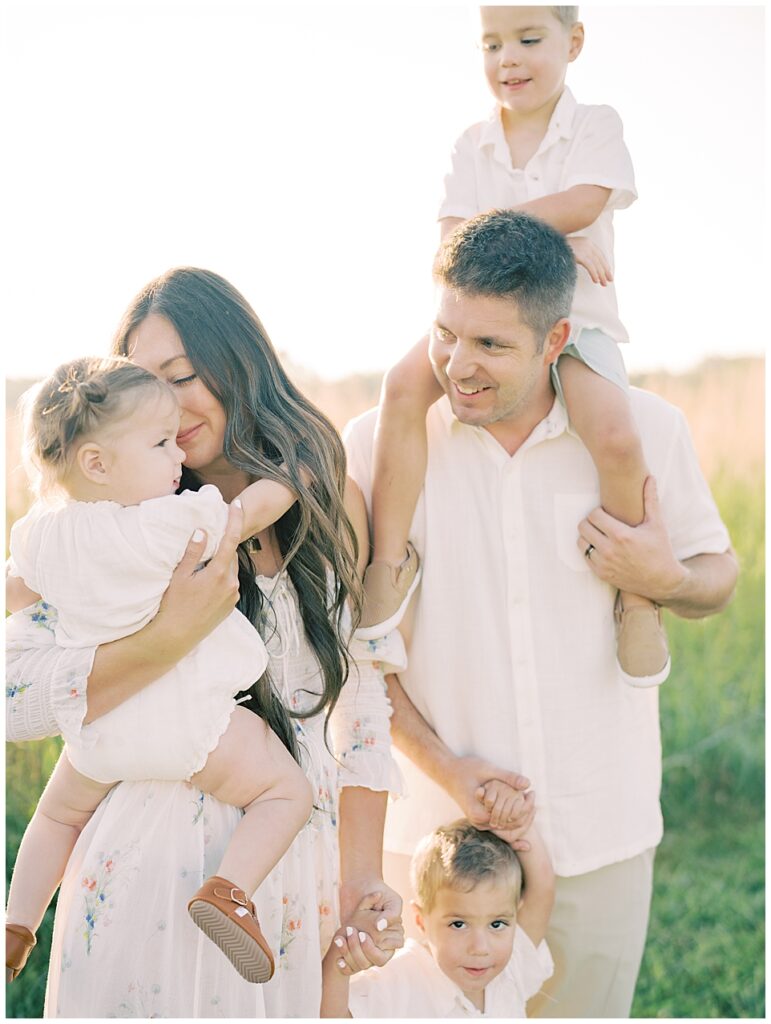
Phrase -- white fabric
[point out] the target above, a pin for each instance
(105, 568)
(583, 145)
(411, 984)
(123, 942)
(513, 649)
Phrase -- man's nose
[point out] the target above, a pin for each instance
(461, 364)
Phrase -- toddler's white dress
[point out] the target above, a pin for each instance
(105, 568)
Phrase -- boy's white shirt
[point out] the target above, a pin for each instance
(411, 984)
(583, 145)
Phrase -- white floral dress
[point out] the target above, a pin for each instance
(124, 945)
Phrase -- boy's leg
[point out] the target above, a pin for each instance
(67, 803)
(401, 451)
(399, 468)
(250, 768)
(597, 937)
(602, 417)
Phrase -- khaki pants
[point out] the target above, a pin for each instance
(596, 936)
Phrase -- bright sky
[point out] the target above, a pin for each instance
(299, 151)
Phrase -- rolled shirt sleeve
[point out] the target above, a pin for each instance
(460, 191)
(598, 156)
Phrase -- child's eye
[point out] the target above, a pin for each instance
(530, 41)
(497, 925)
(491, 47)
(163, 443)
(181, 381)
(457, 925)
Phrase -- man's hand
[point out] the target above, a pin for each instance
(466, 784)
(591, 258)
(638, 559)
(506, 807)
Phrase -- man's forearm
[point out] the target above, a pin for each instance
(706, 587)
(412, 734)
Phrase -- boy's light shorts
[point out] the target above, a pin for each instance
(600, 353)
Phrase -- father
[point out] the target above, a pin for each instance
(512, 652)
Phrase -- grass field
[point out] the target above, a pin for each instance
(705, 951)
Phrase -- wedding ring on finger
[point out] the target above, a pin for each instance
(588, 552)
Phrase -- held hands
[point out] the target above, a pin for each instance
(638, 559)
(511, 811)
(468, 784)
(591, 258)
(387, 932)
(355, 945)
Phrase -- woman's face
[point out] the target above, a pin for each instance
(156, 346)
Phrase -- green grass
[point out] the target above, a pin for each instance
(705, 951)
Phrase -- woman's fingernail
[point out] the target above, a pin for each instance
(382, 924)
(341, 963)
(362, 936)
(237, 502)
(349, 930)
(338, 941)
(197, 535)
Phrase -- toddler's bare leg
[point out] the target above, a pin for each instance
(251, 768)
(401, 451)
(67, 803)
(602, 417)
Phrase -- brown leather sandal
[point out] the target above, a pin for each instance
(226, 915)
(18, 945)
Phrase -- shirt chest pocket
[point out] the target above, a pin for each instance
(569, 510)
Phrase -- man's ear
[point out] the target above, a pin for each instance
(92, 462)
(556, 340)
(418, 915)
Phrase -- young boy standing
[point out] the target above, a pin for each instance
(483, 951)
(543, 154)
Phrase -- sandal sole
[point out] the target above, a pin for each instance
(242, 950)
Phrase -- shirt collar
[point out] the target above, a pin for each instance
(561, 126)
(554, 423)
(446, 994)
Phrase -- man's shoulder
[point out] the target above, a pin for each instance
(654, 413)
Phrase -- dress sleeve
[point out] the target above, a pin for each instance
(45, 689)
(166, 524)
(460, 190)
(360, 723)
(599, 157)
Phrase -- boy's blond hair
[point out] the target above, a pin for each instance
(459, 856)
(567, 15)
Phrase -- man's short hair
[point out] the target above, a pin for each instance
(567, 15)
(505, 254)
(459, 856)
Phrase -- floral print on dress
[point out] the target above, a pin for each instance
(43, 615)
(140, 1001)
(97, 889)
(291, 926)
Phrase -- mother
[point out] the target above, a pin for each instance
(123, 945)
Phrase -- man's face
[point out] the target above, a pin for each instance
(487, 360)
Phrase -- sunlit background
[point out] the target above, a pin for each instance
(300, 152)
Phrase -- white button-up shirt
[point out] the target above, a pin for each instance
(583, 145)
(412, 984)
(513, 654)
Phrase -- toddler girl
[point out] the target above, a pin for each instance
(101, 545)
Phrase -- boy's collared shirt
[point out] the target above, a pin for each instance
(583, 145)
(513, 652)
(412, 985)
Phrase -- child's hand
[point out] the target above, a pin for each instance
(591, 258)
(511, 811)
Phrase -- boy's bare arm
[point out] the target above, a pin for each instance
(334, 986)
(538, 889)
(572, 210)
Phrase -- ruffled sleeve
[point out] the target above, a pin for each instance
(360, 724)
(45, 690)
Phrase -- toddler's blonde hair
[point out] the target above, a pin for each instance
(79, 397)
(459, 856)
(567, 15)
